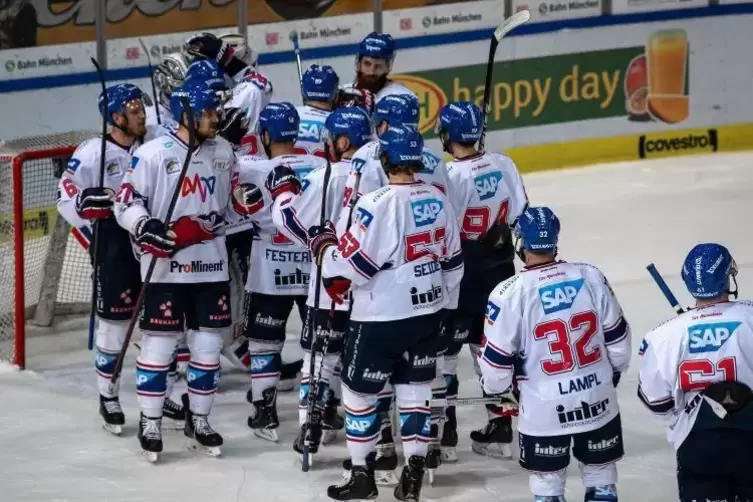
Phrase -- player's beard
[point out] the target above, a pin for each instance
(371, 83)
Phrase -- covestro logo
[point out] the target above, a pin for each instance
(658, 145)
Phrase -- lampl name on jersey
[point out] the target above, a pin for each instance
(579, 384)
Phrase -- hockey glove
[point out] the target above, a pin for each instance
(508, 403)
(282, 179)
(153, 239)
(235, 126)
(190, 230)
(208, 46)
(616, 375)
(247, 199)
(350, 97)
(95, 203)
(336, 287)
(320, 238)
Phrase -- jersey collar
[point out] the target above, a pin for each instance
(542, 265)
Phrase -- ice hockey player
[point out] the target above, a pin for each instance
(82, 203)
(189, 287)
(168, 76)
(558, 330)
(488, 195)
(376, 53)
(252, 90)
(696, 374)
(320, 89)
(402, 259)
(297, 207)
(283, 267)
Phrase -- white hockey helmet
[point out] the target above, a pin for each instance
(169, 75)
(243, 50)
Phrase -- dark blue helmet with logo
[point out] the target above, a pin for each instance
(707, 270)
(280, 120)
(537, 231)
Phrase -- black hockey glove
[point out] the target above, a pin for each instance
(320, 238)
(282, 179)
(497, 236)
(208, 46)
(154, 239)
(235, 126)
(508, 402)
(95, 203)
(247, 199)
(349, 97)
(616, 375)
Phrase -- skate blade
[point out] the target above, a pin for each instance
(449, 454)
(499, 451)
(151, 456)
(173, 425)
(212, 451)
(115, 430)
(310, 458)
(267, 434)
(432, 474)
(385, 478)
(329, 436)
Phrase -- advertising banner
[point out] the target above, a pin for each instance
(633, 6)
(449, 18)
(556, 10)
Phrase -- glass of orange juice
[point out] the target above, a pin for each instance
(667, 64)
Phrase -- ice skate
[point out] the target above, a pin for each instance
(264, 420)
(604, 493)
(359, 484)
(386, 461)
(409, 487)
(150, 437)
(174, 412)
(495, 439)
(449, 442)
(112, 414)
(315, 429)
(200, 433)
(433, 459)
(332, 422)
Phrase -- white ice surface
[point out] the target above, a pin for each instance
(619, 217)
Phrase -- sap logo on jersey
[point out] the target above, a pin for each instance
(492, 311)
(431, 162)
(425, 211)
(198, 184)
(303, 171)
(358, 426)
(559, 296)
(710, 337)
(363, 218)
(486, 185)
(310, 130)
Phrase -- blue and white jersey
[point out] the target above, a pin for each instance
(559, 331)
(310, 131)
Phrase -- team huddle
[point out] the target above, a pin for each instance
(231, 209)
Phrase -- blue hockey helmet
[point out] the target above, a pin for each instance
(320, 83)
(460, 121)
(118, 96)
(352, 122)
(707, 270)
(402, 145)
(537, 231)
(207, 71)
(397, 109)
(377, 46)
(200, 97)
(280, 120)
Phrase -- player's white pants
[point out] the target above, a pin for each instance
(552, 484)
(362, 424)
(324, 367)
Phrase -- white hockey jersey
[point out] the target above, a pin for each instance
(280, 266)
(155, 129)
(683, 356)
(82, 172)
(486, 189)
(293, 216)
(559, 331)
(402, 254)
(251, 93)
(310, 131)
(148, 187)
(372, 176)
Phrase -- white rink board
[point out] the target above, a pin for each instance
(619, 217)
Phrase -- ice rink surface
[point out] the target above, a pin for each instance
(619, 217)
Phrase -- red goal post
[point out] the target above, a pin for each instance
(44, 272)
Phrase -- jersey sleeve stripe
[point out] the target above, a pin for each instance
(661, 406)
(497, 357)
(617, 332)
(83, 235)
(453, 263)
(363, 265)
(291, 223)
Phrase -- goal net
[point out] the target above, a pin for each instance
(45, 272)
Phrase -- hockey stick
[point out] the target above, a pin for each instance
(151, 79)
(314, 389)
(463, 401)
(150, 271)
(297, 52)
(664, 288)
(503, 29)
(95, 225)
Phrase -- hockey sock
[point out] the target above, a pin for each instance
(548, 484)
(172, 374)
(151, 371)
(361, 424)
(266, 363)
(384, 407)
(110, 336)
(415, 418)
(182, 352)
(452, 393)
(203, 370)
(438, 391)
(600, 476)
(329, 361)
(475, 352)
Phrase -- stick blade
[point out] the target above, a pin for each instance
(95, 63)
(512, 22)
